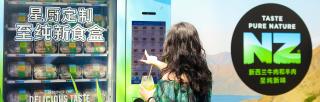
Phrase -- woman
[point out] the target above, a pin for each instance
(185, 74)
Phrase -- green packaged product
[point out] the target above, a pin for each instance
(70, 47)
(43, 47)
(20, 70)
(67, 70)
(20, 95)
(94, 71)
(94, 47)
(15, 47)
(45, 71)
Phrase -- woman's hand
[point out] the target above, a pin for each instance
(153, 60)
(146, 94)
(149, 59)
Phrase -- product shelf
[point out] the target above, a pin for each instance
(52, 81)
(59, 55)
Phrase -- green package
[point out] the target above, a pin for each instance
(73, 70)
(23, 47)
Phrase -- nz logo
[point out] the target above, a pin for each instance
(271, 49)
(263, 50)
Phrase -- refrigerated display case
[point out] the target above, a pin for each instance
(35, 70)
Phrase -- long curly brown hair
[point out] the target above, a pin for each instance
(185, 56)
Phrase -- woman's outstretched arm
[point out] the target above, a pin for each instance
(153, 60)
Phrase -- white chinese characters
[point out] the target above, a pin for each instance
(78, 33)
(55, 25)
(23, 32)
(95, 34)
(35, 14)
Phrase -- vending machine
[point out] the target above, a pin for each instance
(144, 24)
(58, 50)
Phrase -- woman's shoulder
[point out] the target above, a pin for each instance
(170, 82)
(172, 77)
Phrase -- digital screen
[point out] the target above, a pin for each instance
(146, 35)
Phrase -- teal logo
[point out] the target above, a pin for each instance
(263, 50)
(271, 49)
